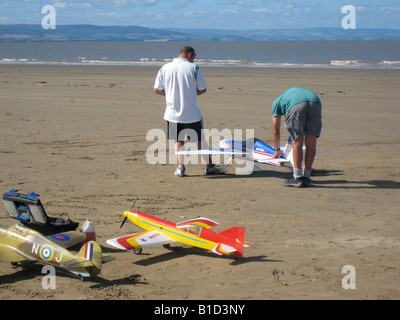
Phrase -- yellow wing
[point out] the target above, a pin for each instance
(67, 239)
(11, 254)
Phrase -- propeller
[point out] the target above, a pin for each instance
(123, 222)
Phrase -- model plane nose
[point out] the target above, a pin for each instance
(130, 213)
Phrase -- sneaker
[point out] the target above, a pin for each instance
(307, 182)
(298, 182)
(215, 170)
(180, 172)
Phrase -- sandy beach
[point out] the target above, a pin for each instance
(76, 135)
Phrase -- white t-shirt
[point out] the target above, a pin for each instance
(180, 81)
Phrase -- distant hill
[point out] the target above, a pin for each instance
(293, 34)
(24, 33)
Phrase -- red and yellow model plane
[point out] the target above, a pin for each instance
(195, 232)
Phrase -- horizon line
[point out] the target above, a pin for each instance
(177, 28)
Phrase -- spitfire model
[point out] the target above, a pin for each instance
(19, 243)
(251, 149)
(195, 232)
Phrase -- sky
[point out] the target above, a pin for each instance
(209, 14)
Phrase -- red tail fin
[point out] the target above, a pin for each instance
(236, 235)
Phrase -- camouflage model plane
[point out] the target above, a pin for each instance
(19, 243)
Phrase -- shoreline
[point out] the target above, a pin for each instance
(337, 65)
(220, 69)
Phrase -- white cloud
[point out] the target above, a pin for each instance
(61, 4)
(260, 10)
(132, 2)
(228, 11)
(391, 8)
(103, 14)
(6, 20)
(289, 5)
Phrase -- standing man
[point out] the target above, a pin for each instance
(302, 111)
(181, 81)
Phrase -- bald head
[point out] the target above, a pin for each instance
(187, 52)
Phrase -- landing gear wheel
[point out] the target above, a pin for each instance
(137, 251)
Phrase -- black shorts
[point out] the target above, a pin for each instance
(179, 131)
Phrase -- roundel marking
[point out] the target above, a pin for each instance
(60, 237)
(46, 252)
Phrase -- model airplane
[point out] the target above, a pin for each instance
(251, 149)
(19, 243)
(195, 232)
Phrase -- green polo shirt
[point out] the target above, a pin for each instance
(290, 98)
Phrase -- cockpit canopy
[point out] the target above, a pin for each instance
(191, 228)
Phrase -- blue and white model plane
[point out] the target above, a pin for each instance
(252, 149)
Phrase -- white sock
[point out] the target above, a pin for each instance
(297, 173)
(307, 173)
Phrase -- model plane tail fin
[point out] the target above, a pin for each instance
(288, 146)
(288, 150)
(88, 261)
(236, 234)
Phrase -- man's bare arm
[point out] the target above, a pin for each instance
(160, 92)
(276, 133)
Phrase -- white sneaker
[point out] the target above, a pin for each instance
(180, 172)
(215, 170)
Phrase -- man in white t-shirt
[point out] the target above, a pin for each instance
(181, 81)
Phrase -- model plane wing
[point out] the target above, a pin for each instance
(140, 240)
(11, 254)
(274, 160)
(67, 239)
(228, 151)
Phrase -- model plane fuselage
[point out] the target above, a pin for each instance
(19, 243)
(193, 232)
(258, 151)
(252, 149)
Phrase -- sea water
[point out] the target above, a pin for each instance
(383, 54)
